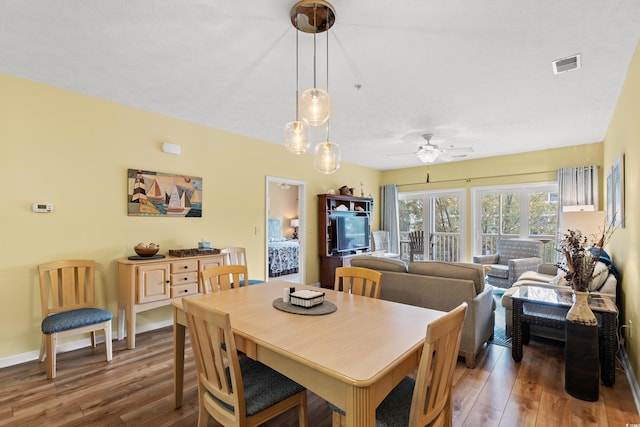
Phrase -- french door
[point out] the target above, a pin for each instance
(441, 215)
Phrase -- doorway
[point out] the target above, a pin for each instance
(285, 257)
(440, 214)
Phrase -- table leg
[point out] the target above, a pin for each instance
(178, 360)
(359, 412)
(516, 331)
(121, 316)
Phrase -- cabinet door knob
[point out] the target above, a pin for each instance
(185, 267)
(167, 281)
(186, 278)
(185, 291)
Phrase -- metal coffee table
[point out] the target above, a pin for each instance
(536, 305)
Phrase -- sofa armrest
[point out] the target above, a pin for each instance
(478, 325)
(550, 269)
(520, 265)
(486, 259)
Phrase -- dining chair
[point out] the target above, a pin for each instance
(223, 277)
(236, 255)
(235, 391)
(425, 400)
(358, 281)
(416, 244)
(67, 290)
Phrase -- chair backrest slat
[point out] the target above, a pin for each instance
(224, 277)
(358, 281)
(432, 392)
(214, 350)
(66, 285)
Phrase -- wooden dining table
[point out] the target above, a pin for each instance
(352, 357)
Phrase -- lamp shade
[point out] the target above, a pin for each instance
(295, 222)
(296, 137)
(315, 106)
(589, 223)
(327, 158)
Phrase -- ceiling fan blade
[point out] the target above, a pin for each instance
(458, 149)
(403, 154)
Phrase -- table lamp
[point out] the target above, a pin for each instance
(295, 223)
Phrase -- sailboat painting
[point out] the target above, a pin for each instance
(163, 194)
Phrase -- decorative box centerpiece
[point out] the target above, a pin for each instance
(306, 298)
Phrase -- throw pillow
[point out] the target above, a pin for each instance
(599, 276)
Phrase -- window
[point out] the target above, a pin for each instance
(527, 211)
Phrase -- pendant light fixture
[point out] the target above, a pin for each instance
(327, 153)
(327, 157)
(314, 17)
(314, 105)
(296, 134)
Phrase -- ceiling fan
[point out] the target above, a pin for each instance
(429, 153)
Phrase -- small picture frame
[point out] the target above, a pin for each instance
(615, 193)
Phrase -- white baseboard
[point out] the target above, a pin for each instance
(76, 344)
(631, 378)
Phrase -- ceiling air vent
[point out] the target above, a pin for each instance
(569, 63)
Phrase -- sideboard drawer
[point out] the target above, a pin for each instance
(183, 290)
(184, 278)
(182, 266)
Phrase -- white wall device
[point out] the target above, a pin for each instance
(42, 207)
(170, 148)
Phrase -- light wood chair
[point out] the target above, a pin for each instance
(358, 281)
(223, 277)
(234, 391)
(236, 255)
(426, 400)
(67, 300)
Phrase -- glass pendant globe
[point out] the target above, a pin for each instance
(315, 106)
(296, 137)
(327, 158)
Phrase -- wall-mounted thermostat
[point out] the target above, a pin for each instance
(42, 207)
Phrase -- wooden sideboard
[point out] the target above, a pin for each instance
(147, 284)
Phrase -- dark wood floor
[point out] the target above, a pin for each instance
(136, 389)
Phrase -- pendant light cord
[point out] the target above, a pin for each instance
(297, 75)
(315, 23)
(329, 119)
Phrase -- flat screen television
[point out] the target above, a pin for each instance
(352, 233)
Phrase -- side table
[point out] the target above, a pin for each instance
(535, 305)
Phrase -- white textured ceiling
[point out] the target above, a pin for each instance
(475, 73)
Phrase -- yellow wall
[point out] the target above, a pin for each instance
(536, 166)
(74, 151)
(623, 136)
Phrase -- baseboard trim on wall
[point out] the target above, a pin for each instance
(631, 377)
(76, 344)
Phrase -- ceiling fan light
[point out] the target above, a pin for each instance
(315, 106)
(296, 137)
(327, 158)
(429, 156)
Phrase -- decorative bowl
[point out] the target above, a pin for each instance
(145, 250)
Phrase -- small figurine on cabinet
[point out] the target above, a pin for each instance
(345, 191)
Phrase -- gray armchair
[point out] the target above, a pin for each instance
(513, 257)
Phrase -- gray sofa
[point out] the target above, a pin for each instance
(439, 286)
(513, 257)
(549, 276)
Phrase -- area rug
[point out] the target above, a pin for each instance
(499, 336)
